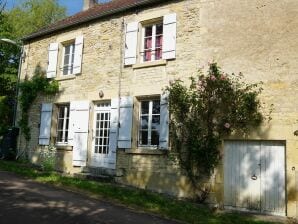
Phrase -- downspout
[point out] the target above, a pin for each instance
(120, 72)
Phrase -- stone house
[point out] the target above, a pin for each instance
(113, 60)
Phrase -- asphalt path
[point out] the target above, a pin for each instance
(25, 201)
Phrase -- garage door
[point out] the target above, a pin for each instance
(254, 176)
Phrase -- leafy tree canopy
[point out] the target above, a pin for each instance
(32, 15)
(16, 23)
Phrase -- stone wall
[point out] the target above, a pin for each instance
(257, 38)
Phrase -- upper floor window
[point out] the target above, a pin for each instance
(157, 36)
(152, 36)
(68, 58)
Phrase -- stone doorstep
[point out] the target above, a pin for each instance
(97, 171)
(90, 176)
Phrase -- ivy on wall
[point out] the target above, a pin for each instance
(213, 107)
(29, 90)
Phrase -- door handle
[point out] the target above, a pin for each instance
(254, 177)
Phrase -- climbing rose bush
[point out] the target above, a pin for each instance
(213, 107)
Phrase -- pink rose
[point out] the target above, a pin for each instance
(213, 78)
(227, 125)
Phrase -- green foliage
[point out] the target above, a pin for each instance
(211, 108)
(15, 24)
(48, 158)
(32, 15)
(30, 89)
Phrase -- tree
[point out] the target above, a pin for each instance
(15, 24)
(33, 15)
(215, 106)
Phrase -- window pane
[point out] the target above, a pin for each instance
(67, 49)
(143, 137)
(154, 138)
(59, 136)
(156, 107)
(145, 107)
(66, 136)
(148, 43)
(144, 122)
(147, 55)
(158, 54)
(155, 122)
(67, 123)
(159, 29)
(60, 124)
(148, 31)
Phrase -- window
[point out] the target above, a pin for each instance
(68, 58)
(102, 128)
(152, 38)
(63, 123)
(157, 40)
(149, 128)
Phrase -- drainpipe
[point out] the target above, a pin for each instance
(120, 72)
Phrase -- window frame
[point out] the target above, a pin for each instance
(153, 24)
(70, 65)
(150, 115)
(64, 128)
(101, 108)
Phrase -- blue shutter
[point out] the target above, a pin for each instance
(45, 124)
(125, 122)
(113, 125)
(164, 122)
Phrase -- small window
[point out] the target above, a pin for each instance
(63, 123)
(152, 38)
(149, 126)
(68, 58)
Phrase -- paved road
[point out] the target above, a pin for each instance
(24, 201)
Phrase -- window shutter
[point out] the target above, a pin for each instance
(125, 122)
(79, 114)
(72, 118)
(131, 39)
(45, 124)
(113, 125)
(164, 122)
(169, 36)
(52, 63)
(77, 63)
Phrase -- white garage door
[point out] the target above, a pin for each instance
(254, 176)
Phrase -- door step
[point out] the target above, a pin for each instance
(90, 176)
(97, 173)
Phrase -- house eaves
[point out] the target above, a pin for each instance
(97, 12)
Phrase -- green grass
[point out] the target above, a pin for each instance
(141, 199)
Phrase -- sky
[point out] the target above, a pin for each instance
(72, 6)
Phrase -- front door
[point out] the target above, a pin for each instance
(254, 176)
(101, 155)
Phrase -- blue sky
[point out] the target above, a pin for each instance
(72, 6)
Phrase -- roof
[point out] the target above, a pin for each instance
(95, 12)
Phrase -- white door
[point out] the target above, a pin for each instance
(254, 176)
(102, 155)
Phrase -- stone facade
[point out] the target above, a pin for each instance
(257, 38)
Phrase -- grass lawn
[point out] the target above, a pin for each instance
(140, 199)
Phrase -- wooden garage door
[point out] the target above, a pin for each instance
(254, 176)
